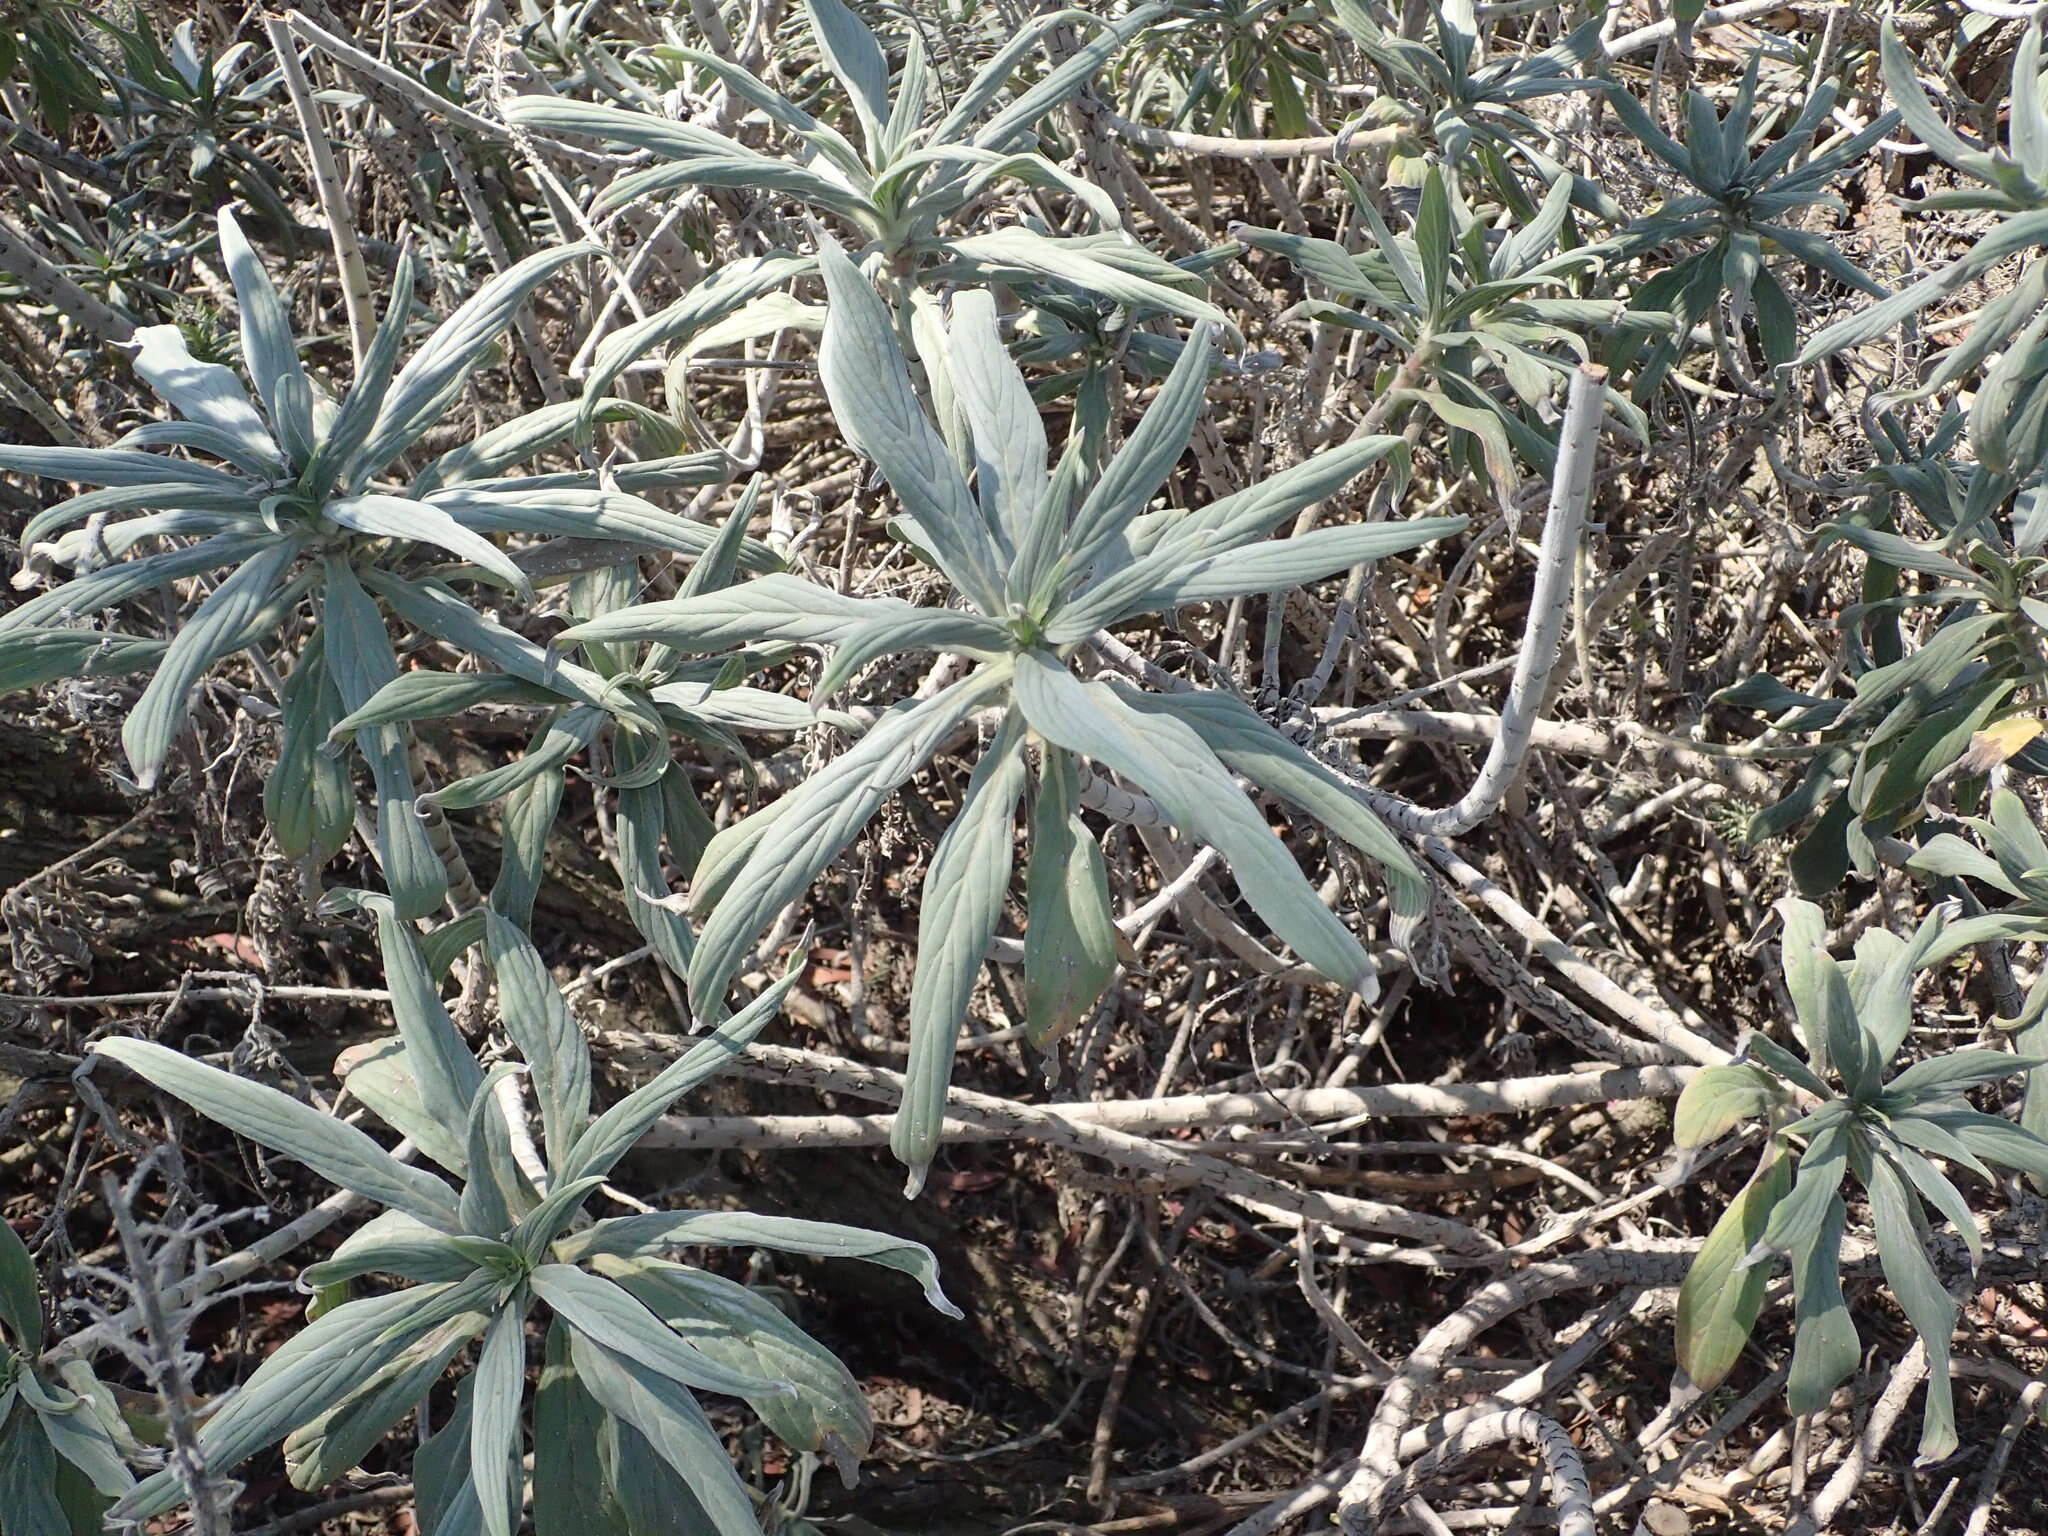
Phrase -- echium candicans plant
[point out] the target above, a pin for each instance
(60, 1445)
(1964, 701)
(907, 177)
(1039, 558)
(1469, 315)
(1472, 108)
(2012, 180)
(309, 498)
(619, 1442)
(1747, 194)
(616, 707)
(1889, 1131)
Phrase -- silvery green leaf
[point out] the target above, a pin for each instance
(574, 1451)
(446, 1503)
(600, 1311)
(959, 906)
(321, 1365)
(1797, 1217)
(1946, 855)
(1278, 564)
(406, 1248)
(1246, 744)
(30, 658)
(1722, 1295)
(1902, 1251)
(717, 297)
(212, 631)
(1902, 84)
(440, 612)
(111, 541)
(2010, 237)
(1009, 437)
(430, 695)
(827, 1413)
(328, 1448)
(1825, 1349)
(395, 517)
(1018, 254)
(1005, 128)
(205, 394)
(1070, 941)
(532, 1010)
(76, 1434)
(561, 738)
(340, 448)
(665, 1412)
(240, 496)
(978, 170)
(850, 51)
(1718, 1099)
(1168, 760)
(496, 1195)
(926, 629)
(502, 506)
(913, 94)
(1141, 466)
(551, 1217)
(426, 384)
(307, 797)
(868, 383)
(29, 1486)
(380, 1074)
(769, 609)
(494, 1439)
(1218, 528)
(1937, 1192)
(637, 829)
(267, 343)
(113, 466)
(1881, 983)
(823, 816)
(528, 817)
(662, 1231)
(612, 1134)
(361, 662)
(339, 1153)
(741, 708)
(439, 1059)
(485, 459)
(118, 583)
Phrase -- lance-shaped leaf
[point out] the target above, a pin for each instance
(602, 1312)
(320, 1366)
(327, 1448)
(494, 1459)
(1070, 942)
(1902, 1251)
(205, 394)
(540, 1024)
(1017, 254)
(1215, 530)
(307, 798)
(339, 1153)
(1720, 1300)
(664, 1412)
(612, 1134)
(361, 662)
(1720, 1098)
(218, 627)
(1280, 564)
(439, 1059)
(426, 384)
(637, 830)
(958, 909)
(574, 1452)
(1246, 744)
(393, 1243)
(826, 1413)
(1168, 760)
(821, 818)
(268, 346)
(396, 517)
(528, 817)
(774, 609)
(868, 383)
(1009, 437)
(663, 1231)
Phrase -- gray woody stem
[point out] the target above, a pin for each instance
(1570, 488)
(348, 255)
